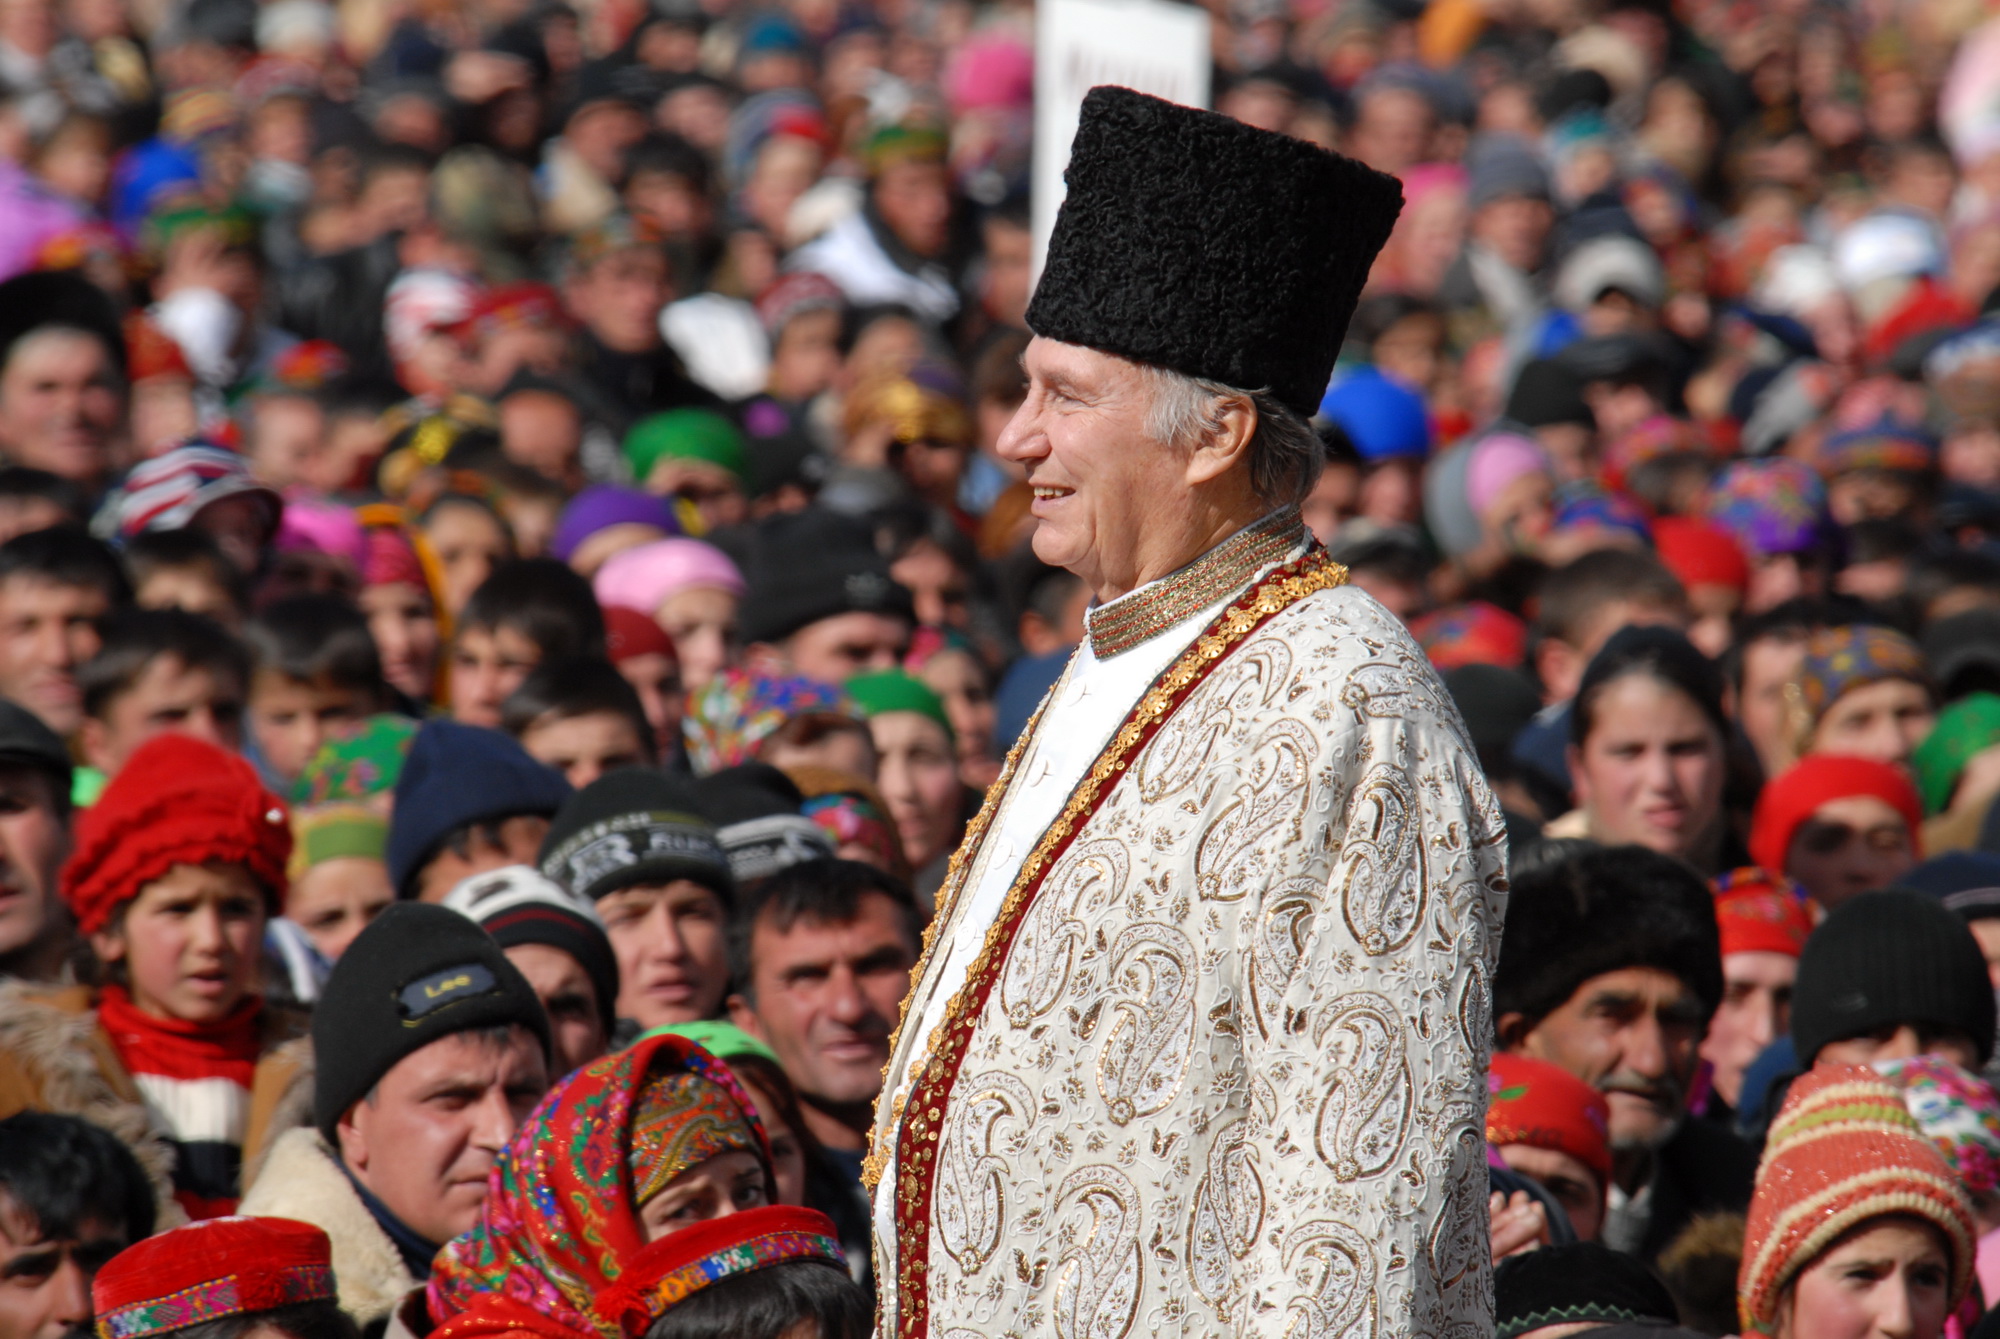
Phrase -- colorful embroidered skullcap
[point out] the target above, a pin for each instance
(666, 1272)
(1545, 1106)
(1586, 508)
(729, 720)
(364, 764)
(1885, 445)
(1475, 633)
(1957, 1111)
(335, 831)
(1757, 911)
(1650, 439)
(1771, 506)
(1839, 660)
(1843, 1150)
(680, 1121)
(211, 1270)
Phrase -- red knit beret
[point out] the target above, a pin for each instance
(178, 801)
(1545, 1106)
(1820, 778)
(206, 1271)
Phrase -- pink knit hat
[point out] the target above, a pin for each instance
(646, 577)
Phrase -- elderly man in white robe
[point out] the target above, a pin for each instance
(1198, 1045)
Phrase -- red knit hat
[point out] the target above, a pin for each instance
(1534, 1102)
(206, 1271)
(1821, 778)
(1701, 553)
(1843, 1150)
(178, 801)
(1760, 912)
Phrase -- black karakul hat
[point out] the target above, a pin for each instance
(1199, 244)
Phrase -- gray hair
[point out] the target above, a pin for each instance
(1285, 453)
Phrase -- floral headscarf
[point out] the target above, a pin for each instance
(739, 709)
(1959, 1112)
(559, 1248)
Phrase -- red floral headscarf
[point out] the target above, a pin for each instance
(559, 1249)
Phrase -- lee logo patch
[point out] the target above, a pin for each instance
(428, 994)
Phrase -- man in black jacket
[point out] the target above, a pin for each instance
(1611, 967)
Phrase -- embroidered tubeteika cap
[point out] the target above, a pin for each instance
(207, 1271)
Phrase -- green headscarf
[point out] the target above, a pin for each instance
(898, 690)
(686, 434)
(1964, 728)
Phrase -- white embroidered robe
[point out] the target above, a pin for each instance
(1209, 1058)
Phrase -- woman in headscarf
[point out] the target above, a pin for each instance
(1863, 691)
(640, 1180)
(691, 590)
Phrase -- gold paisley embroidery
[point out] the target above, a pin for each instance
(1228, 1214)
(1366, 1113)
(1458, 1241)
(1038, 967)
(1147, 1048)
(1099, 1274)
(1277, 941)
(1318, 573)
(1270, 801)
(1383, 864)
(1181, 751)
(972, 1178)
(1333, 1268)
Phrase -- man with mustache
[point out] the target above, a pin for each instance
(1611, 967)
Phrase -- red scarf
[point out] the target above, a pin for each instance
(175, 1063)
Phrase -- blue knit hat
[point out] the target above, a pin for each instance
(457, 775)
(1384, 419)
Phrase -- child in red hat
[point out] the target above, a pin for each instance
(1548, 1124)
(174, 872)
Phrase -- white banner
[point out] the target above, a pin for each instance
(1154, 46)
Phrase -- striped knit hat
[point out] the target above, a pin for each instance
(1842, 1151)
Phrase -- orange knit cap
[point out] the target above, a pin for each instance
(1843, 1150)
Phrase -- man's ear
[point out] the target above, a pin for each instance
(1227, 444)
(745, 1017)
(1512, 1029)
(352, 1136)
(90, 738)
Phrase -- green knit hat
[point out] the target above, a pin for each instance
(686, 434)
(1964, 728)
(898, 690)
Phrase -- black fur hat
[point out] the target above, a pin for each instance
(1208, 247)
(1604, 910)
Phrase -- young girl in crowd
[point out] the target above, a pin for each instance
(1858, 1227)
(175, 869)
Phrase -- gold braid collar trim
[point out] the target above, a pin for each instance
(933, 1075)
(1135, 619)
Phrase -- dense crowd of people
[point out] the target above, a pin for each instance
(515, 576)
